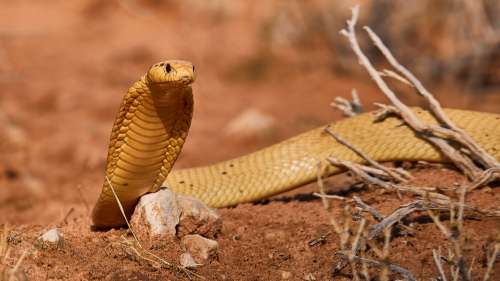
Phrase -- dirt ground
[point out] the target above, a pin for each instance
(64, 67)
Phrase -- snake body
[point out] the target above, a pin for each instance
(153, 122)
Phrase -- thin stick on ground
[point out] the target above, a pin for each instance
(394, 268)
(399, 174)
(372, 175)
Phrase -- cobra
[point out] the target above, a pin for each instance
(154, 119)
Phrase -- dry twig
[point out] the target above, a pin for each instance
(347, 107)
(375, 214)
(399, 174)
(395, 268)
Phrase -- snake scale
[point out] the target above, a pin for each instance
(153, 122)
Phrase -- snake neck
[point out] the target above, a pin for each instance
(171, 111)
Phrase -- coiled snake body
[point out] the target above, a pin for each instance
(154, 119)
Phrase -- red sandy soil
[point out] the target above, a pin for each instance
(64, 66)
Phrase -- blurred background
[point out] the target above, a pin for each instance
(267, 70)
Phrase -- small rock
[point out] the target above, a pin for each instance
(197, 218)
(251, 122)
(187, 261)
(157, 214)
(201, 249)
(309, 277)
(167, 214)
(285, 275)
(277, 235)
(52, 236)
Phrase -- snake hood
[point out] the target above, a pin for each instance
(148, 134)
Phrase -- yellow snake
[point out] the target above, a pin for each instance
(154, 119)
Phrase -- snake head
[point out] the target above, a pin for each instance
(172, 73)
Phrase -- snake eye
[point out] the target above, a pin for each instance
(193, 68)
(168, 67)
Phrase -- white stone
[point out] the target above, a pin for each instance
(52, 236)
(157, 213)
(187, 261)
(200, 248)
(197, 218)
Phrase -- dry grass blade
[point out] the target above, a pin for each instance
(436, 255)
(4, 245)
(491, 261)
(123, 212)
(328, 196)
(10, 274)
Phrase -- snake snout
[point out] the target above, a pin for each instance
(186, 79)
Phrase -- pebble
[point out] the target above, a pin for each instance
(187, 261)
(285, 275)
(309, 277)
(276, 235)
(197, 218)
(157, 214)
(200, 248)
(52, 236)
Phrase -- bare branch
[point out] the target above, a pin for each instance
(487, 176)
(394, 75)
(400, 213)
(479, 153)
(462, 162)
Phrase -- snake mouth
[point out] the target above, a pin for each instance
(182, 82)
